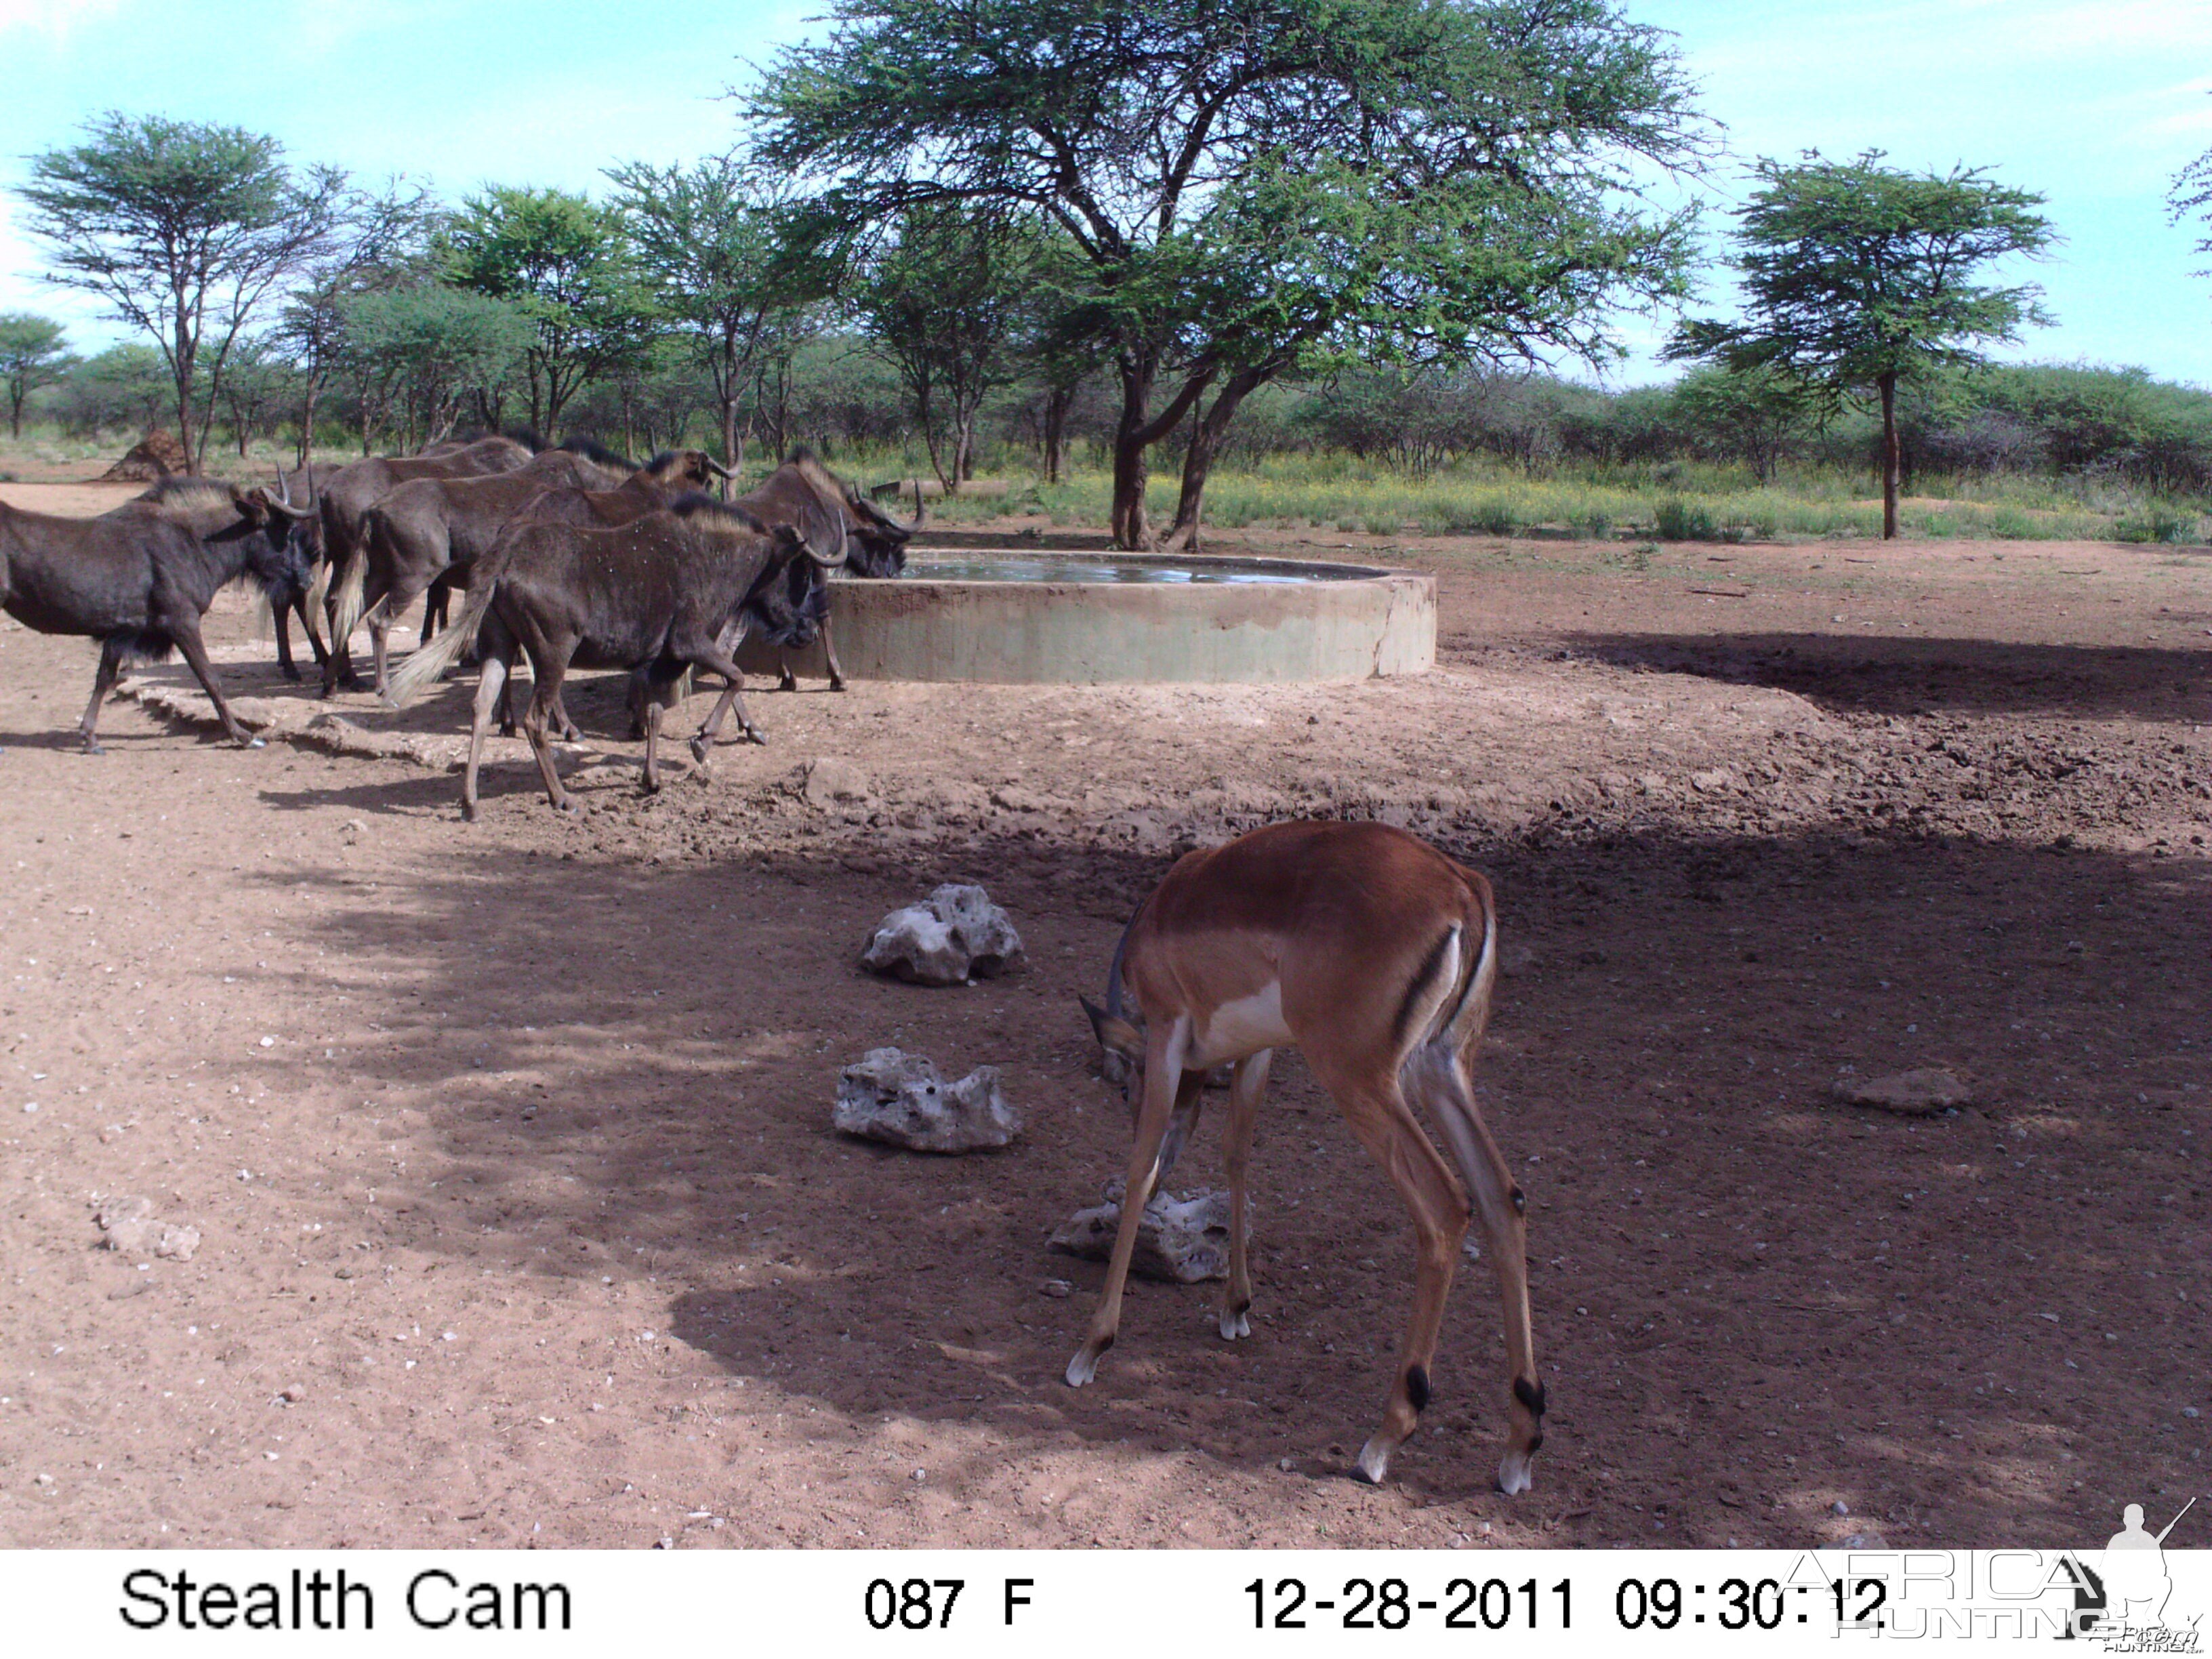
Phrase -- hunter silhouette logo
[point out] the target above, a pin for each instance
(2122, 1598)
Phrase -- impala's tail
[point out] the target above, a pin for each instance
(422, 669)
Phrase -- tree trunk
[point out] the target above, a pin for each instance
(1131, 531)
(1887, 383)
(14, 412)
(307, 425)
(1056, 403)
(1206, 435)
(729, 458)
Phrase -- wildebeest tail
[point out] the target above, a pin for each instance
(422, 669)
(352, 580)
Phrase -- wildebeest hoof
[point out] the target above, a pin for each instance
(755, 734)
(788, 683)
(92, 748)
(699, 751)
(293, 675)
(567, 806)
(836, 686)
(469, 811)
(253, 742)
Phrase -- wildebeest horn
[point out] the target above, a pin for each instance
(284, 490)
(285, 506)
(920, 507)
(717, 469)
(806, 544)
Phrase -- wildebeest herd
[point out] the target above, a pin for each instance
(1369, 950)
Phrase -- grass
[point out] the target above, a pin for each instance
(1680, 506)
(1675, 502)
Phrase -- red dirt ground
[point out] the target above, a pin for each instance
(509, 1145)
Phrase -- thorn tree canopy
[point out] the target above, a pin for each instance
(182, 227)
(567, 263)
(1261, 185)
(1856, 275)
(31, 355)
(715, 247)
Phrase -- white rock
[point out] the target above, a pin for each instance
(1181, 1240)
(892, 1096)
(955, 935)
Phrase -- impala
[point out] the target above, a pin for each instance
(1373, 954)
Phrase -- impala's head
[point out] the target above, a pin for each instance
(1120, 1033)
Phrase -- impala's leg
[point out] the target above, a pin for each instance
(1164, 1046)
(1245, 1088)
(1376, 1107)
(1501, 1209)
(491, 692)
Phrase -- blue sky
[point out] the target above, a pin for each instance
(2096, 103)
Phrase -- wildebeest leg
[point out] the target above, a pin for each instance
(829, 652)
(785, 680)
(280, 612)
(733, 697)
(433, 609)
(110, 659)
(492, 689)
(186, 633)
(548, 666)
(654, 710)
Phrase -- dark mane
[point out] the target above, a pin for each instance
(698, 504)
(593, 450)
(176, 487)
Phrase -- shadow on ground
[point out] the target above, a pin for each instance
(1915, 677)
(1748, 1299)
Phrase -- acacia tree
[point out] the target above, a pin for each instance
(2192, 194)
(565, 262)
(183, 228)
(1754, 413)
(31, 355)
(1258, 185)
(382, 243)
(945, 298)
(1856, 275)
(417, 355)
(713, 246)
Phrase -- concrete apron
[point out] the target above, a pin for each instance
(1101, 633)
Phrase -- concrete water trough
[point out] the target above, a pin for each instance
(1092, 618)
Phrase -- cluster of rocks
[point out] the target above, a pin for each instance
(899, 1098)
(1920, 1093)
(128, 1225)
(1181, 1240)
(954, 936)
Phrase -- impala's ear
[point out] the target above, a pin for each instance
(1116, 1036)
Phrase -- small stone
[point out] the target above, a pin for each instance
(293, 1396)
(1059, 1289)
(30, 1105)
(1515, 960)
(1839, 1507)
(1918, 1093)
(351, 831)
(1182, 1241)
(2190, 1411)
(893, 1096)
(954, 936)
(269, 1042)
(177, 1243)
(1286, 1465)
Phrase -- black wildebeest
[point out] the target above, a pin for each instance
(654, 596)
(429, 529)
(139, 579)
(875, 546)
(789, 612)
(350, 492)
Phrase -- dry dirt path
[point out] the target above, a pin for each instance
(520, 1220)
